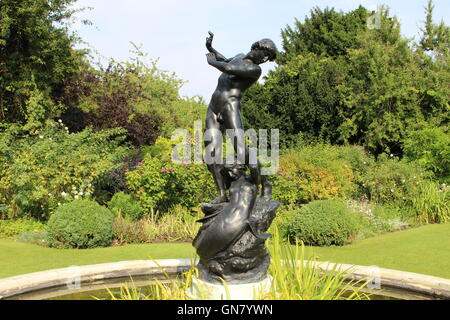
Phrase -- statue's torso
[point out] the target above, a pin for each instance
(230, 88)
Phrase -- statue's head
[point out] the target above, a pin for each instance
(262, 51)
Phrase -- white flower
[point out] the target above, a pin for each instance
(392, 155)
(60, 121)
(64, 194)
(74, 188)
(49, 194)
(440, 190)
(392, 190)
(76, 197)
(41, 137)
(59, 203)
(443, 185)
(365, 162)
(81, 193)
(88, 194)
(67, 129)
(403, 181)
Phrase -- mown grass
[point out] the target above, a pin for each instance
(18, 258)
(421, 250)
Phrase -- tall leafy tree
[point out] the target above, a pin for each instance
(327, 32)
(343, 80)
(36, 57)
(434, 36)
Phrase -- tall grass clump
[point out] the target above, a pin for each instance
(296, 277)
(168, 289)
(176, 225)
(430, 203)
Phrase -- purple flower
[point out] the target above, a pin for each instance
(163, 170)
(139, 164)
(170, 169)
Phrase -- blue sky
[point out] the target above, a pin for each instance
(174, 31)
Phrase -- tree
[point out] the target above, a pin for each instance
(36, 55)
(134, 95)
(331, 33)
(345, 83)
(435, 37)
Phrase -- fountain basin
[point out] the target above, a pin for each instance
(393, 284)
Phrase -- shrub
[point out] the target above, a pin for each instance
(14, 228)
(430, 148)
(375, 219)
(391, 181)
(159, 184)
(322, 223)
(40, 169)
(313, 172)
(125, 205)
(115, 180)
(126, 232)
(80, 224)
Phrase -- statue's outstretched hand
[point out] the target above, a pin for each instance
(209, 41)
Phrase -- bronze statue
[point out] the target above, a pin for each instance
(224, 111)
(231, 241)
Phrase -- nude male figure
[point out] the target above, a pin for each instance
(238, 74)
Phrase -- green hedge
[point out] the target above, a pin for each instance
(80, 224)
(321, 223)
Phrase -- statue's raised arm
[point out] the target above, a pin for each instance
(219, 56)
(235, 67)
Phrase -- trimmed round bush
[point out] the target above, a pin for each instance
(80, 224)
(322, 223)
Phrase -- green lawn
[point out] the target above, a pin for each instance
(423, 250)
(19, 258)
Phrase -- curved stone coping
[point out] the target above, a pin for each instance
(426, 285)
(9, 287)
(26, 283)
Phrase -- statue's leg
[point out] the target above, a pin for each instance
(214, 145)
(232, 119)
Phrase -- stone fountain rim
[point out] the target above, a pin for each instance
(17, 285)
